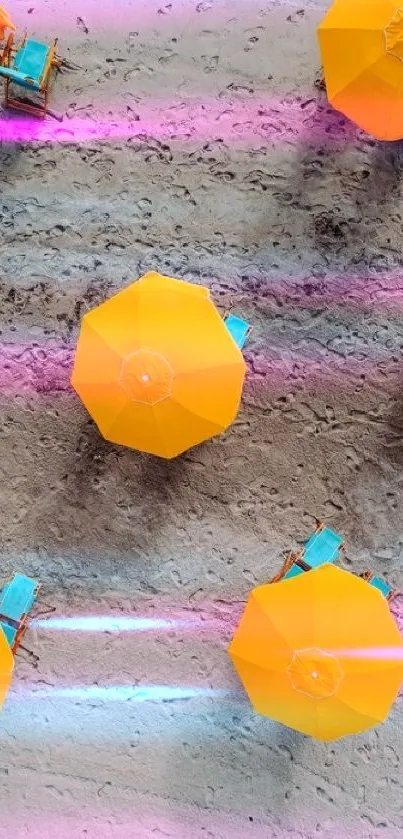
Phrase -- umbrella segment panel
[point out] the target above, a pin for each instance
(366, 84)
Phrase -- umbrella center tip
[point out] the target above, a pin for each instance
(146, 377)
(315, 672)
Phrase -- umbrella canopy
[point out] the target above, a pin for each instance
(157, 368)
(6, 666)
(361, 43)
(320, 653)
(5, 23)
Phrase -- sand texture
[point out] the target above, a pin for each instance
(194, 142)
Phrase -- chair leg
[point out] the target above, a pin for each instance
(319, 82)
(288, 563)
(26, 108)
(33, 656)
(304, 565)
(18, 638)
(40, 110)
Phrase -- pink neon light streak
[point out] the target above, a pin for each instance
(46, 368)
(233, 120)
(145, 823)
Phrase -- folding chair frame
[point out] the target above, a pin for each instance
(368, 576)
(291, 559)
(43, 92)
(297, 558)
(21, 624)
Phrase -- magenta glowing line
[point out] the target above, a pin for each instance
(121, 693)
(357, 293)
(238, 120)
(120, 623)
(371, 654)
(102, 19)
(144, 817)
(35, 369)
(107, 623)
(47, 369)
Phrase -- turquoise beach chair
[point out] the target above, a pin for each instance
(29, 67)
(16, 601)
(238, 329)
(322, 547)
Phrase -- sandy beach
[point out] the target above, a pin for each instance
(194, 143)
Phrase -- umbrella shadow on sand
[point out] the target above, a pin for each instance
(161, 478)
(153, 473)
(383, 179)
(93, 452)
(392, 441)
(253, 758)
(10, 154)
(129, 474)
(226, 735)
(364, 178)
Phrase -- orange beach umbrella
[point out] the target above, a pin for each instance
(361, 42)
(157, 368)
(6, 666)
(320, 653)
(5, 23)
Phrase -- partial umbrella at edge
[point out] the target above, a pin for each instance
(361, 43)
(320, 653)
(6, 667)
